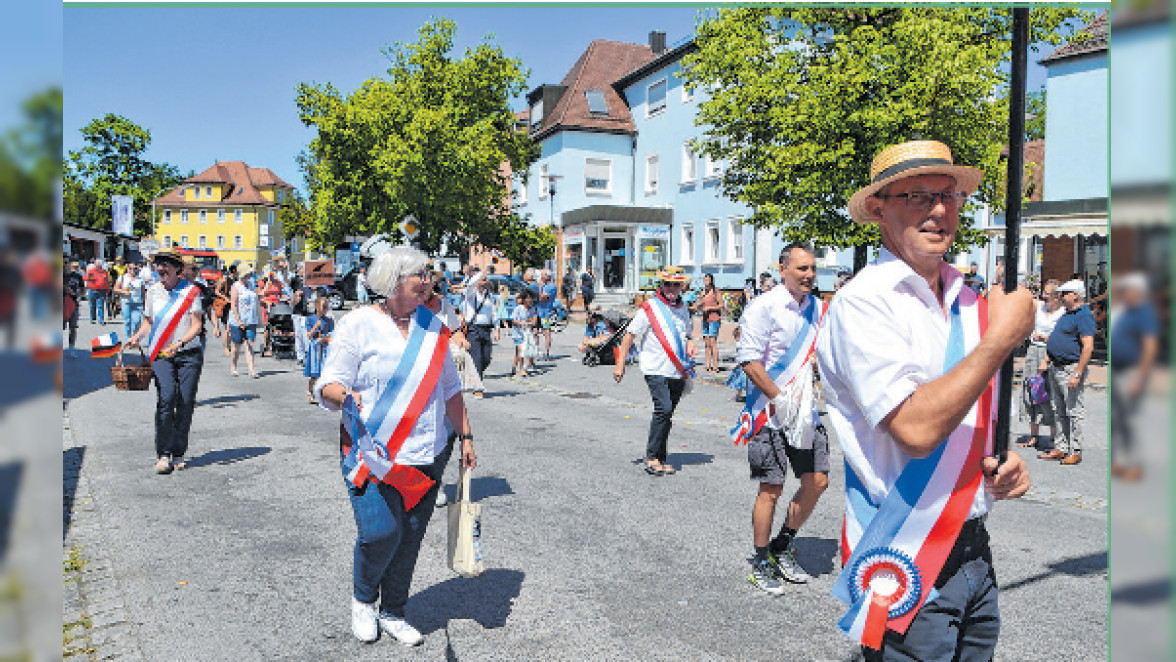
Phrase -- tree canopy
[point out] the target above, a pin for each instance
(801, 100)
(30, 157)
(112, 163)
(429, 139)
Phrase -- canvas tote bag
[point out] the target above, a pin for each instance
(465, 531)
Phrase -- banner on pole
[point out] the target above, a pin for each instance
(122, 219)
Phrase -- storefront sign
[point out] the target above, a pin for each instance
(653, 231)
(573, 236)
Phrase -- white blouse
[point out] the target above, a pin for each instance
(365, 349)
(247, 306)
(1044, 322)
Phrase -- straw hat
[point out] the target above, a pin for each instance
(244, 269)
(673, 275)
(910, 159)
(169, 254)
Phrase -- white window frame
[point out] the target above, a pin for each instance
(713, 168)
(712, 242)
(688, 247)
(607, 191)
(735, 240)
(522, 191)
(544, 182)
(220, 241)
(183, 216)
(689, 165)
(202, 216)
(687, 93)
(208, 192)
(184, 241)
(202, 242)
(167, 216)
(238, 216)
(238, 241)
(650, 109)
(220, 217)
(652, 165)
(167, 242)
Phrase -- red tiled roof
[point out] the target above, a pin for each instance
(1034, 158)
(602, 63)
(242, 185)
(1096, 43)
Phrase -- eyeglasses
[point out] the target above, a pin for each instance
(423, 274)
(673, 284)
(923, 200)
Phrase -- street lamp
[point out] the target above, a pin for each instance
(551, 195)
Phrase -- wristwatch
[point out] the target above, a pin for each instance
(465, 437)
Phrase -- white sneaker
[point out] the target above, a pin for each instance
(399, 629)
(363, 621)
(442, 499)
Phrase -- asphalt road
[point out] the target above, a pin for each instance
(247, 555)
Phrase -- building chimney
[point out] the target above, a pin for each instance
(657, 42)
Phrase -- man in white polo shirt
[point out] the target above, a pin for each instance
(906, 375)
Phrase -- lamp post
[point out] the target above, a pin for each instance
(551, 195)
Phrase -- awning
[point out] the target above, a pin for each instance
(618, 214)
(1142, 206)
(1064, 218)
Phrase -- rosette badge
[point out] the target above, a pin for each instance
(891, 576)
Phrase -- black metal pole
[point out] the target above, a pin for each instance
(1015, 179)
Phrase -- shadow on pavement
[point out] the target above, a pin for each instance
(1076, 567)
(481, 488)
(9, 483)
(1156, 591)
(487, 599)
(228, 456)
(817, 555)
(226, 400)
(35, 379)
(678, 460)
(71, 468)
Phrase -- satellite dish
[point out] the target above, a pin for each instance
(374, 246)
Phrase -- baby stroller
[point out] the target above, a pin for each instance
(281, 330)
(604, 353)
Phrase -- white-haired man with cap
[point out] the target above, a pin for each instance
(1067, 354)
(907, 356)
(1135, 344)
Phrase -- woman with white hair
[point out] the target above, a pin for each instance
(394, 445)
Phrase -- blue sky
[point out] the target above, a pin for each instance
(217, 83)
(30, 48)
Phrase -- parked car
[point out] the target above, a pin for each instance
(345, 285)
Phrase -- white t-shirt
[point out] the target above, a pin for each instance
(768, 327)
(248, 311)
(1044, 322)
(884, 336)
(156, 300)
(653, 358)
(366, 348)
(131, 282)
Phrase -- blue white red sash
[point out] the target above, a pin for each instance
(164, 323)
(896, 550)
(377, 438)
(795, 359)
(661, 320)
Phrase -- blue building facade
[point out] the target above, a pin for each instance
(630, 195)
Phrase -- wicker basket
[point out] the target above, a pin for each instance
(131, 377)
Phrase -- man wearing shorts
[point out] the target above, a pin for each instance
(778, 329)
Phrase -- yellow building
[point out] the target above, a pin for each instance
(229, 208)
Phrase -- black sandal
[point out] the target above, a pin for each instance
(654, 470)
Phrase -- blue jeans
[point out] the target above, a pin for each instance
(666, 392)
(963, 623)
(132, 314)
(711, 329)
(388, 539)
(97, 306)
(481, 343)
(176, 378)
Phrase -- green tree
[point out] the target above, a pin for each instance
(30, 157)
(800, 101)
(429, 139)
(1035, 115)
(112, 163)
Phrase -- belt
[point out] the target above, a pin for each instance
(1060, 362)
(972, 543)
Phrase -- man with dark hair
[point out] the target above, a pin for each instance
(906, 374)
(777, 333)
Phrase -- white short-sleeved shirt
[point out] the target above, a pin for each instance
(156, 300)
(884, 336)
(653, 358)
(478, 307)
(768, 327)
(1044, 321)
(365, 349)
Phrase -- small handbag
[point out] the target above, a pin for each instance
(1036, 391)
(465, 531)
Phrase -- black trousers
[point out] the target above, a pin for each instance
(481, 343)
(176, 378)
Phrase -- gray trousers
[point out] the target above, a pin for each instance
(1124, 410)
(1068, 406)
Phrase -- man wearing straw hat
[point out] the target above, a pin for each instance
(907, 355)
(661, 328)
(172, 321)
